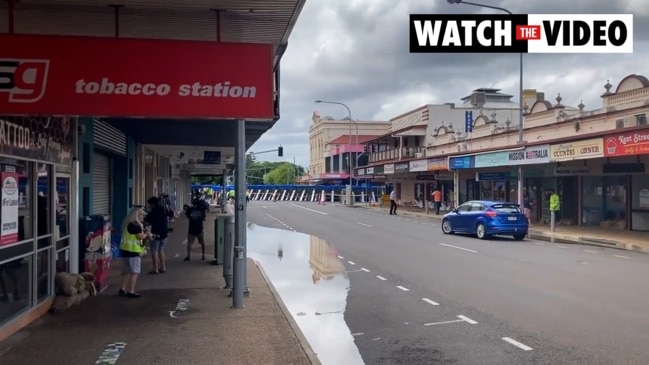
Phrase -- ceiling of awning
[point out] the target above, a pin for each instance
(247, 21)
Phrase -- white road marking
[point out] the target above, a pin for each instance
(445, 322)
(363, 224)
(185, 241)
(351, 271)
(622, 257)
(183, 305)
(459, 248)
(429, 301)
(111, 353)
(559, 246)
(340, 257)
(310, 210)
(403, 288)
(589, 251)
(376, 339)
(539, 243)
(358, 334)
(364, 269)
(467, 319)
(517, 344)
(177, 255)
(381, 277)
(351, 262)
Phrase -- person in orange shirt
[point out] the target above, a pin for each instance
(437, 199)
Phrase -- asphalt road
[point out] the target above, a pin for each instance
(426, 298)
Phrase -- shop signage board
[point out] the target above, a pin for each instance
(128, 77)
(500, 158)
(369, 170)
(388, 169)
(493, 176)
(462, 162)
(360, 172)
(375, 170)
(426, 177)
(436, 164)
(627, 144)
(39, 138)
(418, 166)
(402, 167)
(10, 197)
(530, 156)
(577, 150)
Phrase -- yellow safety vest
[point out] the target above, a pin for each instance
(131, 243)
(554, 202)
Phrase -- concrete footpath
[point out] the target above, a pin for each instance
(183, 317)
(595, 236)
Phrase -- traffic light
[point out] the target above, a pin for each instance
(280, 151)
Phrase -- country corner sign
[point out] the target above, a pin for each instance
(119, 77)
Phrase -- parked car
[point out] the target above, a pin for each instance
(485, 219)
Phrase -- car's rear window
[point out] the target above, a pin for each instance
(506, 208)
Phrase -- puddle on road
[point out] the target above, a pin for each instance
(312, 282)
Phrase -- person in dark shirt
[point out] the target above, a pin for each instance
(131, 250)
(158, 218)
(196, 230)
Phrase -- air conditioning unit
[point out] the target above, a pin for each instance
(419, 154)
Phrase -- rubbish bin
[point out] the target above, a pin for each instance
(219, 237)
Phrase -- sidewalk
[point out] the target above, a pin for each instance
(182, 318)
(626, 240)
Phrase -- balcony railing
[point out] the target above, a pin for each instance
(406, 153)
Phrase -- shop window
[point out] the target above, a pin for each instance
(62, 201)
(640, 206)
(591, 201)
(43, 201)
(63, 261)
(18, 215)
(615, 203)
(43, 274)
(15, 287)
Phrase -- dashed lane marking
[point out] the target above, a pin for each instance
(517, 344)
(381, 277)
(590, 251)
(443, 322)
(403, 288)
(364, 269)
(457, 247)
(467, 319)
(351, 262)
(357, 334)
(310, 210)
(429, 301)
(622, 257)
(340, 257)
(363, 224)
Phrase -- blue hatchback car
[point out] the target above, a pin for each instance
(485, 219)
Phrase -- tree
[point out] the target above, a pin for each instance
(285, 173)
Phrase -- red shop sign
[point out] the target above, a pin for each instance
(627, 144)
(119, 77)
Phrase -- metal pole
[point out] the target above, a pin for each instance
(520, 96)
(553, 216)
(75, 245)
(239, 270)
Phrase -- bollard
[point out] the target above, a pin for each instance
(228, 252)
(237, 291)
(552, 223)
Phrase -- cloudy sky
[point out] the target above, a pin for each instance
(357, 52)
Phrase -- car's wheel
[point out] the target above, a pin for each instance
(481, 231)
(446, 227)
(519, 237)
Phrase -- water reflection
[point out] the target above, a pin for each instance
(313, 284)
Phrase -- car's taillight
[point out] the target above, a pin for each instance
(491, 214)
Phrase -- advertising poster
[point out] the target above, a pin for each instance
(9, 208)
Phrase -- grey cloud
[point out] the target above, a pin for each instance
(357, 53)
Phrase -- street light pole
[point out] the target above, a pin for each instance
(349, 161)
(520, 93)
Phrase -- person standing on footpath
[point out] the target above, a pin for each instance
(195, 229)
(437, 199)
(158, 218)
(131, 250)
(393, 202)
